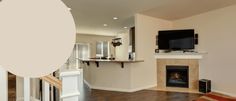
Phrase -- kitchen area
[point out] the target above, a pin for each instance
(102, 57)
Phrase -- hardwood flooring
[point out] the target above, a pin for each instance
(87, 94)
(11, 87)
(144, 95)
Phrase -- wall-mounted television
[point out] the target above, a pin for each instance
(176, 39)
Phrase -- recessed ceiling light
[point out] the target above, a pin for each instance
(69, 9)
(125, 27)
(105, 25)
(115, 18)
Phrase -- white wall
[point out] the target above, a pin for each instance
(3, 85)
(92, 39)
(217, 33)
(19, 88)
(144, 74)
(109, 76)
(122, 50)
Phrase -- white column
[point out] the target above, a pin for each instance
(46, 92)
(77, 56)
(26, 89)
(33, 88)
(3, 85)
(51, 93)
(70, 85)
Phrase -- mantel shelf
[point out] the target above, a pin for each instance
(179, 55)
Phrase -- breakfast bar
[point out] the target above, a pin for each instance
(109, 60)
(109, 74)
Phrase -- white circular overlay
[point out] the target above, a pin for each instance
(36, 36)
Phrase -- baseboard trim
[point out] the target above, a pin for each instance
(31, 99)
(118, 89)
(87, 84)
(111, 89)
(143, 88)
(225, 93)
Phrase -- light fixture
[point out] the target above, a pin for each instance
(116, 42)
(115, 18)
(69, 9)
(105, 25)
(125, 27)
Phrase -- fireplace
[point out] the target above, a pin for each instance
(177, 76)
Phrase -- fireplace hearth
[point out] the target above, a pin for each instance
(177, 76)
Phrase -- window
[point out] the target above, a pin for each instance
(102, 49)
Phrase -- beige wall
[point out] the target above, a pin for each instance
(122, 50)
(92, 39)
(217, 33)
(144, 74)
(109, 76)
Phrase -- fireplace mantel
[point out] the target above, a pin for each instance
(179, 55)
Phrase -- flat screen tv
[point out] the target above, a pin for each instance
(176, 39)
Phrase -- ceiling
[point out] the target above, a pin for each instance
(91, 15)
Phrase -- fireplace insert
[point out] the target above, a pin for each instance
(177, 76)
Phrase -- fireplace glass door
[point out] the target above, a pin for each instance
(177, 76)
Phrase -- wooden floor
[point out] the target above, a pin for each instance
(11, 87)
(144, 95)
(87, 94)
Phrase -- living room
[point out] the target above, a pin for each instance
(214, 29)
(133, 68)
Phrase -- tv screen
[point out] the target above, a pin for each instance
(176, 39)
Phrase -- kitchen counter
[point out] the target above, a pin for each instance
(108, 60)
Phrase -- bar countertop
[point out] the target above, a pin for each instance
(110, 61)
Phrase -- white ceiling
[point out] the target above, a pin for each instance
(90, 15)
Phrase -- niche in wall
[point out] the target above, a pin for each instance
(132, 38)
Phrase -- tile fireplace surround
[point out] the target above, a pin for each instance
(169, 59)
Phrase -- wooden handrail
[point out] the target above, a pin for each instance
(53, 81)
